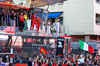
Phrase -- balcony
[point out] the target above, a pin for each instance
(9, 30)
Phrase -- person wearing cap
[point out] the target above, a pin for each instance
(48, 26)
(57, 27)
(43, 24)
(18, 63)
(24, 63)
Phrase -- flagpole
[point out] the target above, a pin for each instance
(47, 44)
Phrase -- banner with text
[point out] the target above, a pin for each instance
(60, 46)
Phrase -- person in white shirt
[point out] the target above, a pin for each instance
(81, 59)
(43, 24)
(29, 24)
(48, 26)
(57, 27)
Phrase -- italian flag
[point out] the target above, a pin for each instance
(86, 47)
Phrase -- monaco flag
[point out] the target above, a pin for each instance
(86, 47)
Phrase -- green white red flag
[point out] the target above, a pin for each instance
(86, 47)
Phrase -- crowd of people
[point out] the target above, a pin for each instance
(12, 18)
(20, 19)
(69, 60)
(17, 19)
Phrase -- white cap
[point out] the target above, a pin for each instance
(58, 19)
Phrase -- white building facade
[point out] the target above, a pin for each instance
(79, 16)
(80, 19)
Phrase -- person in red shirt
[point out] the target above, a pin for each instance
(24, 63)
(36, 64)
(34, 24)
(51, 64)
(38, 23)
(43, 64)
(63, 63)
(66, 64)
(21, 22)
(33, 20)
(18, 63)
(55, 62)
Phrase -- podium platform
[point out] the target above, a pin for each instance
(7, 30)
(13, 31)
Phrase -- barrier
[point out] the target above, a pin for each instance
(11, 57)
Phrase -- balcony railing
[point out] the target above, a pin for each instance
(53, 29)
(14, 29)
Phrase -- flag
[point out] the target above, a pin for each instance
(86, 47)
(42, 50)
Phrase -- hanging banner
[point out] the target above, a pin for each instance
(60, 46)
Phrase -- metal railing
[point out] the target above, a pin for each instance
(54, 29)
(14, 28)
(4, 25)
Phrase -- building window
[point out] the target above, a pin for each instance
(97, 1)
(52, 20)
(93, 37)
(97, 18)
(76, 38)
(61, 20)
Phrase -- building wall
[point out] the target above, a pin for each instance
(75, 45)
(79, 17)
(56, 7)
(96, 26)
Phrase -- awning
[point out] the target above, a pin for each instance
(54, 14)
(9, 5)
(67, 37)
(38, 3)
